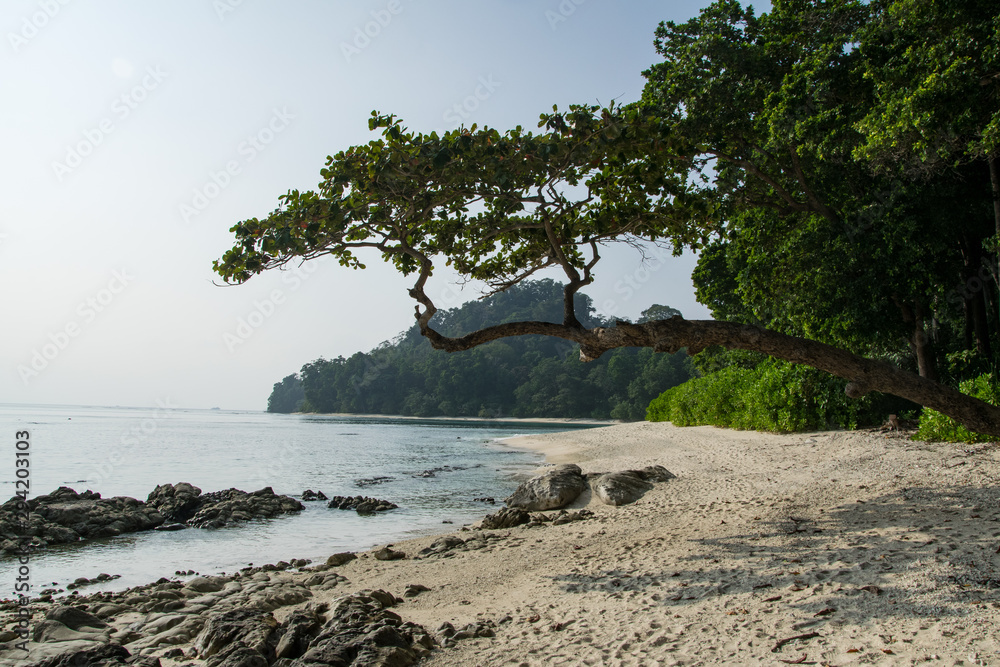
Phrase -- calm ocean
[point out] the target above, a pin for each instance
(129, 451)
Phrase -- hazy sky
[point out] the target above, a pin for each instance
(136, 133)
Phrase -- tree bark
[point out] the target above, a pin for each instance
(863, 375)
(995, 182)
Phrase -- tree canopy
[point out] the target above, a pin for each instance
(758, 141)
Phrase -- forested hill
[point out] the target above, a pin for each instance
(527, 376)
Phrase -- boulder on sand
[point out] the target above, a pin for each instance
(550, 490)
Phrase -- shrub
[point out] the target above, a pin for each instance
(774, 396)
(936, 426)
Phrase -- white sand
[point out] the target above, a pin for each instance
(871, 548)
(760, 538)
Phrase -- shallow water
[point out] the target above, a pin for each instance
(129, 451)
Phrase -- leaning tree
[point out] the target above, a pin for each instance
(499, 207)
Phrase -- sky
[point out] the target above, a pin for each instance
(136, 133)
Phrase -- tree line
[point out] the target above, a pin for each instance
(531, 376)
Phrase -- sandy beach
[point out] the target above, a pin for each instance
(829, 548)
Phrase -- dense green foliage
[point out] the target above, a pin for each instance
(773, 396)
(527, 376)
(936, 426)
(287, 395)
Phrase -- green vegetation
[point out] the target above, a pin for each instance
(528, 376)
(772, 396)
(936, 426)
(835, 162)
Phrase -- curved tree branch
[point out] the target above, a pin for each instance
(863, 375)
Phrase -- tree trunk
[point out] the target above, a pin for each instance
(995, 182)
(863, 375)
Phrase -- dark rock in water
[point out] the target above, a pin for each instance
(362, 504)
(65, 516)
(491, 501)
(176, 502)
(221, 508)
(552, 489)
(171, 527)
(508, 517)
(309, 494)
(620, 488)
(372, 481)
(433, 471)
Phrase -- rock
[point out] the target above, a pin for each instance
(177, 503)
(107, 655)
(206, 584)
(508, 517)
(74, 618)
(53, 631)
(372, 481)
(362, 504)
(620, 488)
(655, 474)
(340, 559)
(362, 631)
(171, 526)
(299, 630)
(386, 553)
(221, 508)
(413, 590)
(552, 489)
(65, 516)
(309, 495)
(226, 632)
(442, 545)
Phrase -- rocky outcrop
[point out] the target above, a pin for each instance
(222, 508)
(309, 495)
(627, 486)
(552, 489)
(65, 516)
(508, 517)
(362, 504)
(620, 488)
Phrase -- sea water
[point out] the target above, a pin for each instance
(433, 469)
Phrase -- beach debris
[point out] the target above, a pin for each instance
(310, 495)
(825, 612)
(362, 504)
(804, 657)
(803, 637)
(508, 517)
(552, 489)
(872, 589)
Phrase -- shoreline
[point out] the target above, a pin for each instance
(846, 547)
